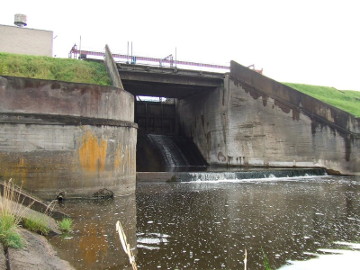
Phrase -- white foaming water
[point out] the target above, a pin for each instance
(231, 178)
(332, 259)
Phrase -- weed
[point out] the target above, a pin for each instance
(266, 262)
(65, 225)
(36, 224)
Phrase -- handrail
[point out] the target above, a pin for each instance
(160, 61)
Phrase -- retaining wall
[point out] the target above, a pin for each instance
(255, 121)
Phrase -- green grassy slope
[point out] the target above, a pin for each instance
(346, 100)
(48, 68)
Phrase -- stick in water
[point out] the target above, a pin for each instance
(125, 245)
(245, 260)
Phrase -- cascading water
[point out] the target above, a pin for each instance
(171, 153)
(166, 153)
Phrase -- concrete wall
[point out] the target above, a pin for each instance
(255, 121)
(26, 41)
(65, 137)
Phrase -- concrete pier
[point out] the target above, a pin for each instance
(67, 138)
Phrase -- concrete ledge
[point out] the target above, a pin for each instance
(51, 119)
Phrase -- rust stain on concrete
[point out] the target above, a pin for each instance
(16, 168)
(92, 153)
(118, 160)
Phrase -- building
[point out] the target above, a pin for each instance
(29, 41)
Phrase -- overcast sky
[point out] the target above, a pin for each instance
(304, 41)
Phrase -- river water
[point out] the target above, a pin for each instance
(282, 222)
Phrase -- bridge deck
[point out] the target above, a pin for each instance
(167, 82)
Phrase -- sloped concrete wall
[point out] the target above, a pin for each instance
(64, 137)
(255, 121)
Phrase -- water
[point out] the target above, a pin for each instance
(176, 153)
(208, 225)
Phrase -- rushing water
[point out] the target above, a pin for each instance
(209, 225)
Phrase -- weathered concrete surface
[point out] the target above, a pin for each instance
(255, 121)
(2, 258)
(112, 69)
(37, 254)
(33, 96)
(65, 138)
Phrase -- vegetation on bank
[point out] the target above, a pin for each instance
(13, 214)
(10, 212)
(37, 225)
(346, 100)
(48, 68)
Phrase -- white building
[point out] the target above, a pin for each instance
(28, 41)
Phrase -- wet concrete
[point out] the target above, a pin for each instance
(208, 225)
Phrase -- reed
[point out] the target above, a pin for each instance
(10, 216)
(125, 245)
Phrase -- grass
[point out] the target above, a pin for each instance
(36, 224)
(48, 68)
(10, 211)
(65, 225)
(9, 236)
(266, 262)
(345, 100)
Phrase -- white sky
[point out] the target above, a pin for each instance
(304, 41)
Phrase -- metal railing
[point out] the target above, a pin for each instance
(75, 53)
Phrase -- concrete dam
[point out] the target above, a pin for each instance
(81, 140)
(244, 119)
